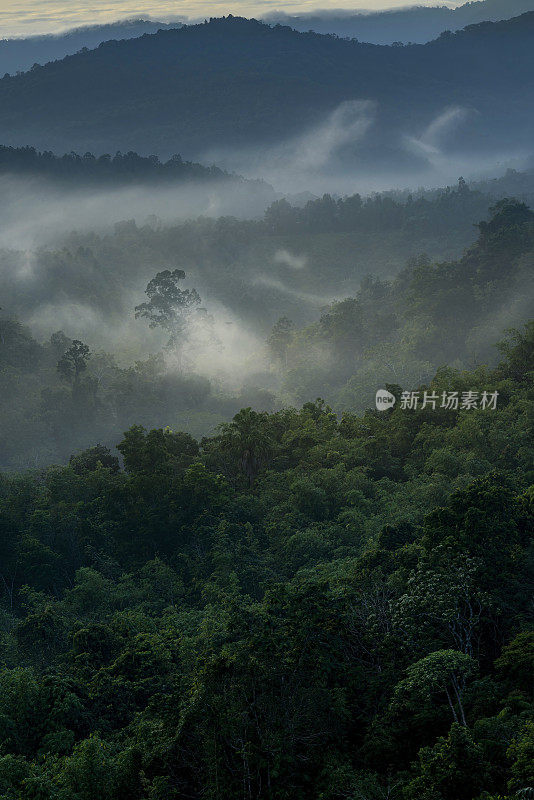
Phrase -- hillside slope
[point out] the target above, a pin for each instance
(414, 24)
(236, 82)
(19, 54)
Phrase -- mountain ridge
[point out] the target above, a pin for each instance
(418, 24)
(244, 82)
(20, 54)
(415, 24)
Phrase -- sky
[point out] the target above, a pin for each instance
(28, 17)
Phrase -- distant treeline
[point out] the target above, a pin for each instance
(120, 168)
(427, 212)
(421, 213)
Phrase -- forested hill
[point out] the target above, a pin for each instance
(296, 608)
(415, 24)
(395, 331)
(19, 54)
(232, 82)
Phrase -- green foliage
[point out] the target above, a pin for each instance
(93, 458)
(157, 450)
(297, 608)
(522, 753)
(445, 671)
(391, 332)
(453, 769)
(168, 306)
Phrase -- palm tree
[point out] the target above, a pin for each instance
(248, 438)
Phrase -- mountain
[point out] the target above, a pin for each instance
(18, 55)
(417, 24)
(240, 83)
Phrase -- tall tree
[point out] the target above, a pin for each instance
(169, 307)
(74, 361)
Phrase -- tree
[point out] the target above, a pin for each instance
(247, 440)
(280, 339)
(443, 602)
(59, 343)
(90, 459)
(74, 361)
(522, 752)
(160, 450)
(169, 307)
(454, 769)
(445, 671)
(515, 665)
(518, 349)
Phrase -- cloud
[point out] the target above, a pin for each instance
(30, 17)
(346, 125)
(314, 160)
(287, 259)
(432, 142)
(443, 158)
(314, 300)
(51, 210)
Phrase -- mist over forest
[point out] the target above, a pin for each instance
(415, 24)
(226, 570)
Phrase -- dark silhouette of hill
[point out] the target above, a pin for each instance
(233, 82)
(416, 24)
(18, 55)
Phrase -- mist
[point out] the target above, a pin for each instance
(351, 150)
(21, 19)
(75, 262)
(37, 212)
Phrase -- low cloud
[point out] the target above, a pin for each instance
(431, 144)
(287, 259)
(51, 211)
(31, 17)
(312, 161)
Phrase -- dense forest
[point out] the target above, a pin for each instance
(429, 315)
(267, 426)
(300, 606)
(290, 256)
